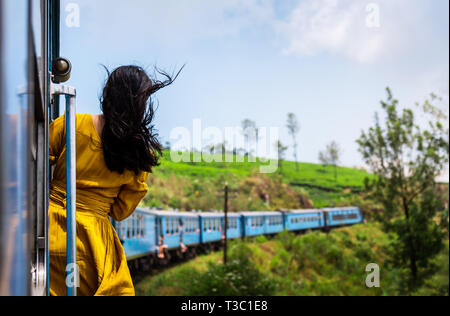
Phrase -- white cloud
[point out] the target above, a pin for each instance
(310, 27)
(332, 26)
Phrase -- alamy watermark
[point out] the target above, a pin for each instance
(73, 275)
(373, 278)
(229, 145)
(373, 18)
(73, 15)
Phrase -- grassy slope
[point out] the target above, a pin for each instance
(310, 174)
(316, 180)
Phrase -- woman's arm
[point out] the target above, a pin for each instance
(129, 197)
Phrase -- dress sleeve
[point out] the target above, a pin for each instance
(56, 139)
(129, 197)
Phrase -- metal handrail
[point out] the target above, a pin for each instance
(72, 276)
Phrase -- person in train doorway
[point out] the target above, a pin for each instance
(181, 229)
(115, 153)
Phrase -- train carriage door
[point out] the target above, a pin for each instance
(28, 40)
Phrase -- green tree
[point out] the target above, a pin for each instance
(281, 149)
(406, 158)
(331, 156)
(293, 127)
(251, 134)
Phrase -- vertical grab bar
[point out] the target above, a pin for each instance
(72, 276)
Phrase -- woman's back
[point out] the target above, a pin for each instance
(94, 180)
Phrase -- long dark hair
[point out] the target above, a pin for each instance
(129, 140)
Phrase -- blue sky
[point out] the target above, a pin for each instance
(261, 59)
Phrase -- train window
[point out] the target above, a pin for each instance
(167, 226)
(172, 225)
(119, 228)
(136, 226)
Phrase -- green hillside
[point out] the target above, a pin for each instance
(199, 185)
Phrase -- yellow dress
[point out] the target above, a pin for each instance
(100, 194)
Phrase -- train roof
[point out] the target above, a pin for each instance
(334, 209)
(268, 213)
(304, 211)
(218, 214)
(167, 213)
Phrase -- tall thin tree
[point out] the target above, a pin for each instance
(250, 132)
(281, 150)
(331, 156)
(293, 127)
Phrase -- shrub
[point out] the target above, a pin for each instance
(239, 277)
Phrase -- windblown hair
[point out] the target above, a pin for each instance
(129, 139)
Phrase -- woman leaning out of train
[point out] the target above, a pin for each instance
(115, 153)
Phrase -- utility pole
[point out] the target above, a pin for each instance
(225, 255)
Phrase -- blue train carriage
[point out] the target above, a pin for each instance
(300, 220)
(342, 216)
(211, 227)
(234, 225)
(273, 223)
(176, 228)
(137, 234)
(253, 223)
